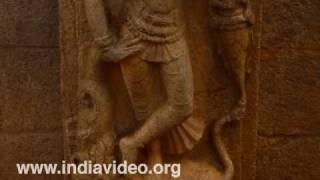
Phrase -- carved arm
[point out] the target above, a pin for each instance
(98, 22)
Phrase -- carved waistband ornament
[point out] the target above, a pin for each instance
(230, 14)
(157, 24)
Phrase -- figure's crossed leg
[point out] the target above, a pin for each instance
(178, 83)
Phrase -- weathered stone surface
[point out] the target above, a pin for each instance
(289, 113)
(30, 23)
(4, 23)
(291, 23)
(210, 75)
(290, 99)
(288, 158)
(30, 90)
(30, 177)
(4, 55)
(29, 86)
(289, 116)
(29, 148)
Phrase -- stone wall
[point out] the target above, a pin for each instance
(288, 117)
(30, 123)
(289, 123)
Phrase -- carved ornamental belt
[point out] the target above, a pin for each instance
(153, 25)
(153, 33)
(230, 14)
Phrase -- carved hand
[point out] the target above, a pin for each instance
(121, 50)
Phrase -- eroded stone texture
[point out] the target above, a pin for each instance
(30, 23)
(288, 158)
(33, 177)
(4, 23)
(29, 148)
(288, 126)
(291, 23)
(290, 98)
(30, 90)
(30, 124)
(289, 91)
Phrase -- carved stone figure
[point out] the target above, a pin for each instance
(155, 64)
(157, 26)
(231, 21)
(154, 59)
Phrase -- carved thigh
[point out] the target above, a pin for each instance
(138, 77)
(178, 81)
(234, 45)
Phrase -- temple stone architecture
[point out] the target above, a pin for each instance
(229, 89)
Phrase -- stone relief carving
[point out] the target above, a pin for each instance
(152, 52)
(231, 20)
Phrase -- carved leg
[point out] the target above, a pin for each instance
(234, 47)
(178, 82)
(138, 77)
(139, 80)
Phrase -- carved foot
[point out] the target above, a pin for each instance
(129, 150)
